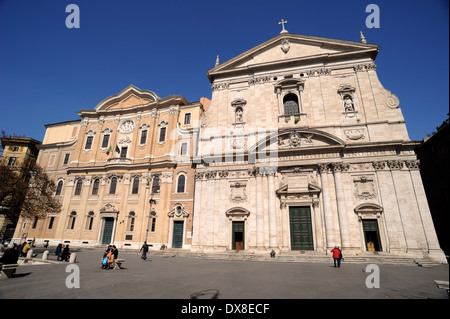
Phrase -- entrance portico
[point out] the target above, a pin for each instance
(108, 223)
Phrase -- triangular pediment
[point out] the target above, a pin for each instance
(287, 48)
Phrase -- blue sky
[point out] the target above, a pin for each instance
(49, 72)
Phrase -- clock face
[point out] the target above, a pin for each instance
(126, 127)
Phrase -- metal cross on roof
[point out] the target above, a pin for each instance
(282, 22)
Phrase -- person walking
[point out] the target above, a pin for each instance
(144, 250)
(25, 249)
(337, 255)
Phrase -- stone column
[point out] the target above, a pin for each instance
(331, 238)
(197, 211)
(210, 210)
(259, 212)
(273, 229)
(340, 199)
(285, 227)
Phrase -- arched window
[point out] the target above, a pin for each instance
(78, 186)
(131, 220)
(155, 186)
(181, 184)
(95, 186)
(89, 220)
(59, 188)
(113, 186)
(290, 102)
(135, 187)
(72, 219)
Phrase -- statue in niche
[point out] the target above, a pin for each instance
(348, 104)
(239, 115)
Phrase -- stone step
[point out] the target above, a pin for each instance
(239, 256)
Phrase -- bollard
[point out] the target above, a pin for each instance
(30, 253)
(73, 258)
(45, 255)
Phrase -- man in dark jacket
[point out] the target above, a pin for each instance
(144, 250)
(10, 256)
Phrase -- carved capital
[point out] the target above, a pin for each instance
(380, 165)
(340, 167)
(395, 164)
(414, 165)
(324, 168)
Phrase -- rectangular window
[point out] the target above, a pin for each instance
(11, 161)
(15, 148)
(50, 224)
(88, 145)
(105, 141)
(183, 150)
(187, 118)
(162, 134)
(153, 224)
(143, 137)
(123, 152)
(35, 222)
(131, 228)
(66, 159)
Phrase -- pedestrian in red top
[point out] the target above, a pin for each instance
(337, 255)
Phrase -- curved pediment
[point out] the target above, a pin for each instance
(127, 98)
(296, 139)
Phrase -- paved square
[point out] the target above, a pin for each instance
(196, 278)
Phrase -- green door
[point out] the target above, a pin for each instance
(301, 228)
(177, 238)
(107, 230)
(371, 234)
(238, 235)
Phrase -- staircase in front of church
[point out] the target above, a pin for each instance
(385, 259)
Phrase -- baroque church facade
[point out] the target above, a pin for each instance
(300, 149)
(123, 173)
(303, 149)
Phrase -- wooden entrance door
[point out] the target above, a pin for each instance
(107, 230)
(238, 232)
(177, 238)
(301, 228)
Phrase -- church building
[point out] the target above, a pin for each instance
(299, 150)
(123, 173)
(302, 149)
